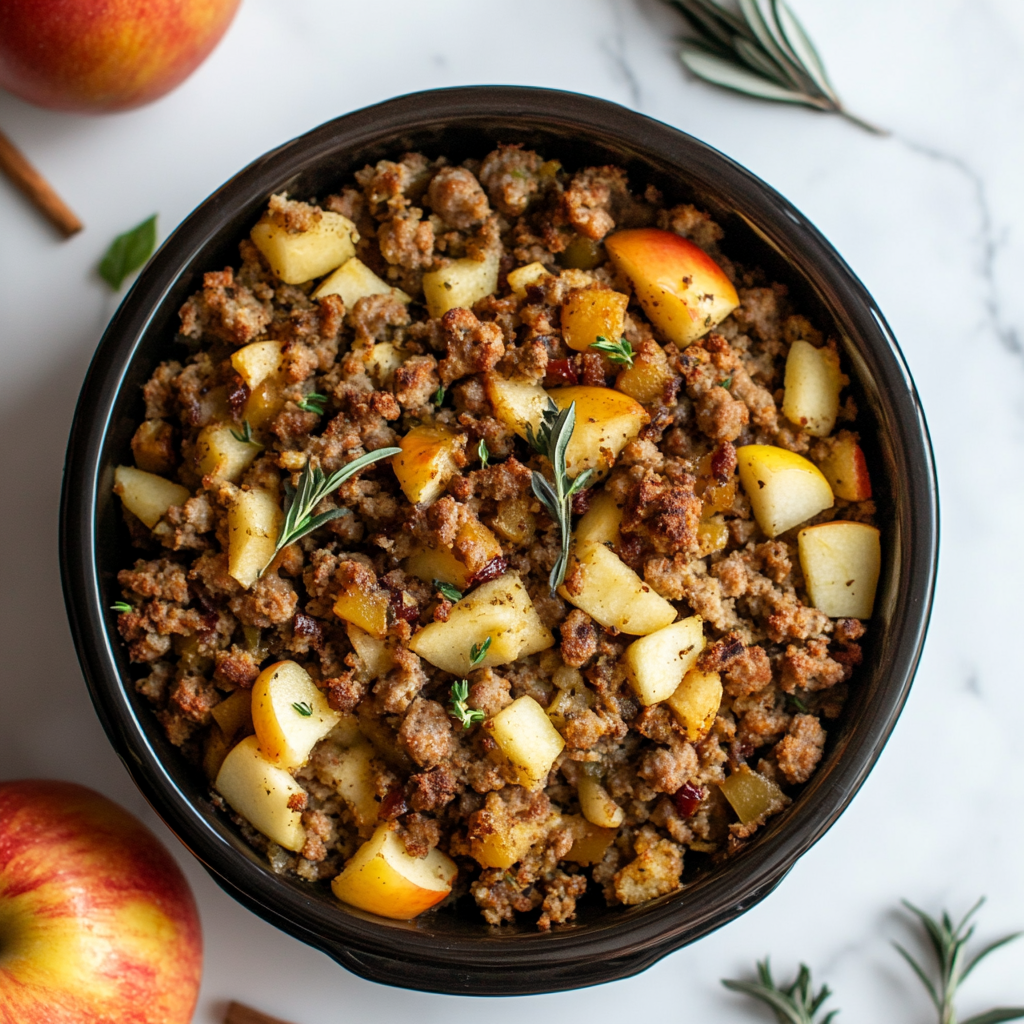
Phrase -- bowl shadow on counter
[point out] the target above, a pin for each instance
(454, 951)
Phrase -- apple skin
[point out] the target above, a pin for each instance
(683, 291)
(97, 922)
(97, 56)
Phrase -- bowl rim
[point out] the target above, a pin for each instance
(628, 941)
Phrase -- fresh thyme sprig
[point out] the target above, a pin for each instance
(314, 486)
(447, 590)
(314, 402)
(460, 711)
(619, 352)
(121, 607)
(762, 50)
(245, 435)
(551, 440)
(303, 708)
(949, 944)
(484, 452)
(793, 1004)
(478, 652)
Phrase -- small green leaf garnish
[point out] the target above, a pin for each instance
(313, 402)
(314, 485)
(439, 396)
(619, 352)
(447, 590)
(794, 1004)
(727, 383)
(305, 709)
(551, 440)
(478, 652)
(245, 435)
(466, 715)
(484, 452)
(128, 252)
(121, 607)
(797, 703)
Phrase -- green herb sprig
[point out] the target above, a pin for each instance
(121, 607)
(796, 1003)
(447, 590)
(759, 49)
(948, 942)
(304, 708)
(314, 485)
(727, 383)
(128, 252)
(314, 402)
(438, 397)
(619, 352)
(244, 436)
(459, 709)
(484, 453)
(478, 652)
(551, 440)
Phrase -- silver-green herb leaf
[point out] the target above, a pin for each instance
(128, 252)
(484, 453)
(244, 436)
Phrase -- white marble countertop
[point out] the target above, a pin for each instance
(931, 218)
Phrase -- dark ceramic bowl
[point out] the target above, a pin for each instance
(455, 952)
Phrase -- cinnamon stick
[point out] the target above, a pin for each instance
(239, 1014)
(37, 189)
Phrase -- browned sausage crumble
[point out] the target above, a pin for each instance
(355, 378)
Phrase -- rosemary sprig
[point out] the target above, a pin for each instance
(314, 486)
(314, 402)
(949, 944)
(121, 607)
(447, 590)
(793, 1004)
(460, 711)
(762, 50)
(478, 652)
(619, 352)
(304, 708)
(484, 452)
(245, 435)
(551, 440)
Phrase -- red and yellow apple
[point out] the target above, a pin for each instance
(97, 922)
(846, 470)
(784, 488)
(96, 56)
(682, 289)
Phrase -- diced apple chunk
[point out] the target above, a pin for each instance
(600, 523)
(429, 564)
(784, 489)
(353, 281)
(384, 878)
(375, 655)
(696, 702)
(300, 256)
(612, 594)
(813, 383)
(349, 769)
(514, 520)
(751, 795)
(460, 284)
(427, 462)
(846, 470)
(516, 403)
(383, 360)
(254, 523)
(528, 740)
(645, 380)
(289, 713)
(655, 664)
(153, 447)
(590, 842)
(219, 453)
(260, 792)
(606, 421)
(365, 607)
(841, 563)
(147, 495)
(683, 291)
(258, 361)
(592, 313)
(511, 837)
(597, 805)
(234, 714)
(501, 610)
(522, 277)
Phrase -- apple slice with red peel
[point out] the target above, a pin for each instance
(385, 879)
(682, 289)
(289, 713)
(841, 563)
(813, 383)
(784, 488)
(846, 470)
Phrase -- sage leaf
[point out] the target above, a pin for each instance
(128, 252)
